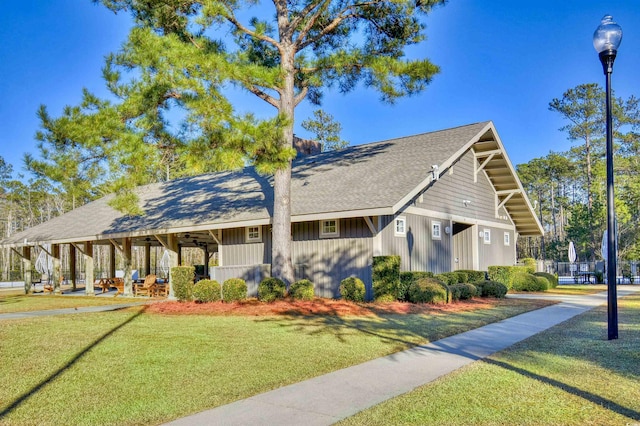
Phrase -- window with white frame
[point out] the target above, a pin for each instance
(400, 226)
(507, 239)
(329, 228)
(486, 236)
(436, 230)
(253, 234)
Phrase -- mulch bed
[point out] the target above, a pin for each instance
(318, 306)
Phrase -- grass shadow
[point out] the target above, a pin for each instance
(596, 399)
(25, 396)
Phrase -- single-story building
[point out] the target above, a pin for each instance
(443, 201)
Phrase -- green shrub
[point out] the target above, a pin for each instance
(463, 277)
(406, 278)
(207, 291)
(271, 289)
(543, 282)
(386, 298)
(302, 290)
(463, 291)
(553, 279)
(530, 264)
(352, 289)
(386, 276)
(234, 290)
(428, 290)
(448, 278)
(182, 282)
(490, 288)
(524, 281)
(505, 274)
(473, 276)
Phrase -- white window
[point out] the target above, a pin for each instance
(436, 230)
(329, 228)
(254, 234)
(507, 239)
(486, 236)
(400, 226)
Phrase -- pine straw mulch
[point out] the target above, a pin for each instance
(319, 306)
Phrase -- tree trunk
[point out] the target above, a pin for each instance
(281, 264)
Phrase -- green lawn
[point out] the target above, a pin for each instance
(577, 289)
(43, 302)
(134, 367)
(568, 375)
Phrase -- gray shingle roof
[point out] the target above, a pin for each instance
(363, 177)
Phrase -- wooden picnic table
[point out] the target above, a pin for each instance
(107, 283)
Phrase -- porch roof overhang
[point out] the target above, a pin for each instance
(491, 159)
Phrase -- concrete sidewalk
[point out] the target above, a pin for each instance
(332, 397)
(66, 311)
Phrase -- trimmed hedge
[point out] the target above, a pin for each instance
(234, 290)
(271, 289)
(207, 291)
(473, 276)
(386, 276)
(386, 298)
(302, 290)
(182, 282)
(463, 291)
(428, 290)
(553, 279)
(449, 278)
(530, 264)
(505, 274)
(406, 279)
(528, 282)
(488, 288)
(352, 289)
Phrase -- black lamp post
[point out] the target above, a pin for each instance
(606, 40)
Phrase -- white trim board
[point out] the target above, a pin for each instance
(457, 218)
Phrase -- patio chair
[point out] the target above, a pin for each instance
(162, 290)
(147, 287)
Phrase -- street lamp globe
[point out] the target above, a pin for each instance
(606, 40)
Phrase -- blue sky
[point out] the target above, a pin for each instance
(500, 60)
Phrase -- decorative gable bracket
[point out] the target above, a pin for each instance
(483, 158)
(507, 196)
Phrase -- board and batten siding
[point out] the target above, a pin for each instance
(417, 249)
(327, 261)
(496, 252)
(455, 185)
(236, 251)
(324, 261)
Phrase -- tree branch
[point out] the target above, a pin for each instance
(264, 96)
(342, 16)
(313, 18)
(232, 19)
(300, 96)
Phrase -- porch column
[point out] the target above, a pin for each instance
(147, 259)
(88, 268)
(56, 275)
(26, 261)
(126, 256)
(72, 265)
(112, 261)
(475, 247)
(173, 249)
(206, 261)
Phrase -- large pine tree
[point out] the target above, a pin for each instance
(180, 55)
